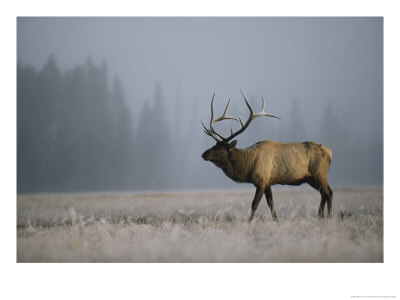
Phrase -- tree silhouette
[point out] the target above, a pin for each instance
(296, 132)
(122, 136)
(73, 133)
(153, 145)
(348, 156)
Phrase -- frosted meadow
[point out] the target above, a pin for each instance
(206, 226)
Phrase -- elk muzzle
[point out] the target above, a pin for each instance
(206, 155)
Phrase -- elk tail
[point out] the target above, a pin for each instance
(329, 152)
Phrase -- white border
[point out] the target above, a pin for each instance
(197, 281)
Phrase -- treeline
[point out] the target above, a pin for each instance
(356, 160)
(75, 132)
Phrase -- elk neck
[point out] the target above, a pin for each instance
(238, 165)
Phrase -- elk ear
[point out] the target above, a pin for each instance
(233, 144)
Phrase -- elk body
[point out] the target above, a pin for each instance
(269, 162)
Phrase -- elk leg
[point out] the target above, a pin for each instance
(328, 196)
(322, 206)
(270, 202)
(256, 200)
(317, 185)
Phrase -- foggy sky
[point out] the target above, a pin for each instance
(313, 60)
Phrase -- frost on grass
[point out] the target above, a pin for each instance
(199, 227)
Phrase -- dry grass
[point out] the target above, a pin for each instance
(199, 227)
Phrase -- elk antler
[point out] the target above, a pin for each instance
(251, 117)
(211, 132)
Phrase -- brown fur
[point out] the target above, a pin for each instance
(269, 162)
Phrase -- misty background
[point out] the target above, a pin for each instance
(116, 103)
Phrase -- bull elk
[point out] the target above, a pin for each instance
(267, 163)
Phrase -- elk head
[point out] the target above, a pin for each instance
(220, 152)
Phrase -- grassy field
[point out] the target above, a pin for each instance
(199, 227)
